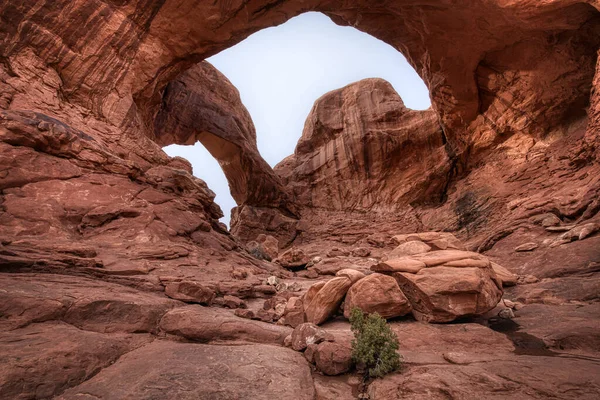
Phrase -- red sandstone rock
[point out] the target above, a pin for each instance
(513, 133)
(443, 294)
(166, 369)
(190, 292)
(327, 300)
(377, 293)
(333, 358)
(208, 324)
(42, 360)
(293, 259)
(351, 274)
(386, 128)
(265, 247)
(307, 334)
(294, 312)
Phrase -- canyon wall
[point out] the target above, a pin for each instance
(104, 238)
(362, 149)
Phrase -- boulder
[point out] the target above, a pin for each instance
(311, 293)
(293, 259)
(294, 312)
(361, 252)
(41, 360)
(458, 257)
(327, 300)
(265, 247)
(409, 249)
(306, 334)
(205, 324)
(233, 302)
(443, 294)
(526, 247)
(333, 358)
(506, 277)
(436, 240)
(351, 274)
(190, 292)
(377, 293)
(404, 264)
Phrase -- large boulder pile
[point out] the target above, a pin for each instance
(430, 275)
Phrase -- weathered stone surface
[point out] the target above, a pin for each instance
(442, 294)
(201, 105)
(333, 358)
(527, 247)
(42, 360)
(507, 277)
(183, 370)
(88, 304)
(266, 247)
(408, 249)
(327, 300)
(294, 312)
(190, 292)
(365, 151)
(307, 334)
(311, 293)
(293, 258)
(327, 388)
(351, 274)
(513, 133)
(213, 325)
(404, 264)
(495, 379)
(437, 240)
(377, 293)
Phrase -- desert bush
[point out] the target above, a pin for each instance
(375, 345)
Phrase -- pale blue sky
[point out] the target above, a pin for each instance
(281, 71)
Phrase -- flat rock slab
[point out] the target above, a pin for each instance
(206, 324)
(88, 304)
(42, 360)
(185, 371)
(520, 378)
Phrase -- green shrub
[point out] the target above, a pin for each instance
(374, 345)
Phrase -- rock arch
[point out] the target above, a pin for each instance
(493, 67)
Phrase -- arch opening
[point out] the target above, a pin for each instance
(280, 72)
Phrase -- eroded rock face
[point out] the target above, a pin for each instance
(211, 325)
(166, 369)
(363, 134)
(42, 360)
(87, 191)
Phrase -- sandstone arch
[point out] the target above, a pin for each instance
(146, 43)
(202, 105)
(105, 63)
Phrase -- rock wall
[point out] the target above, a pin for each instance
(593, 130)
(495, 69)
(362, 149)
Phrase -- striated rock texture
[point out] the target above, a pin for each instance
(201, 105)
(89, 92)
(361, 149)
(377, 293)
(171, 370)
